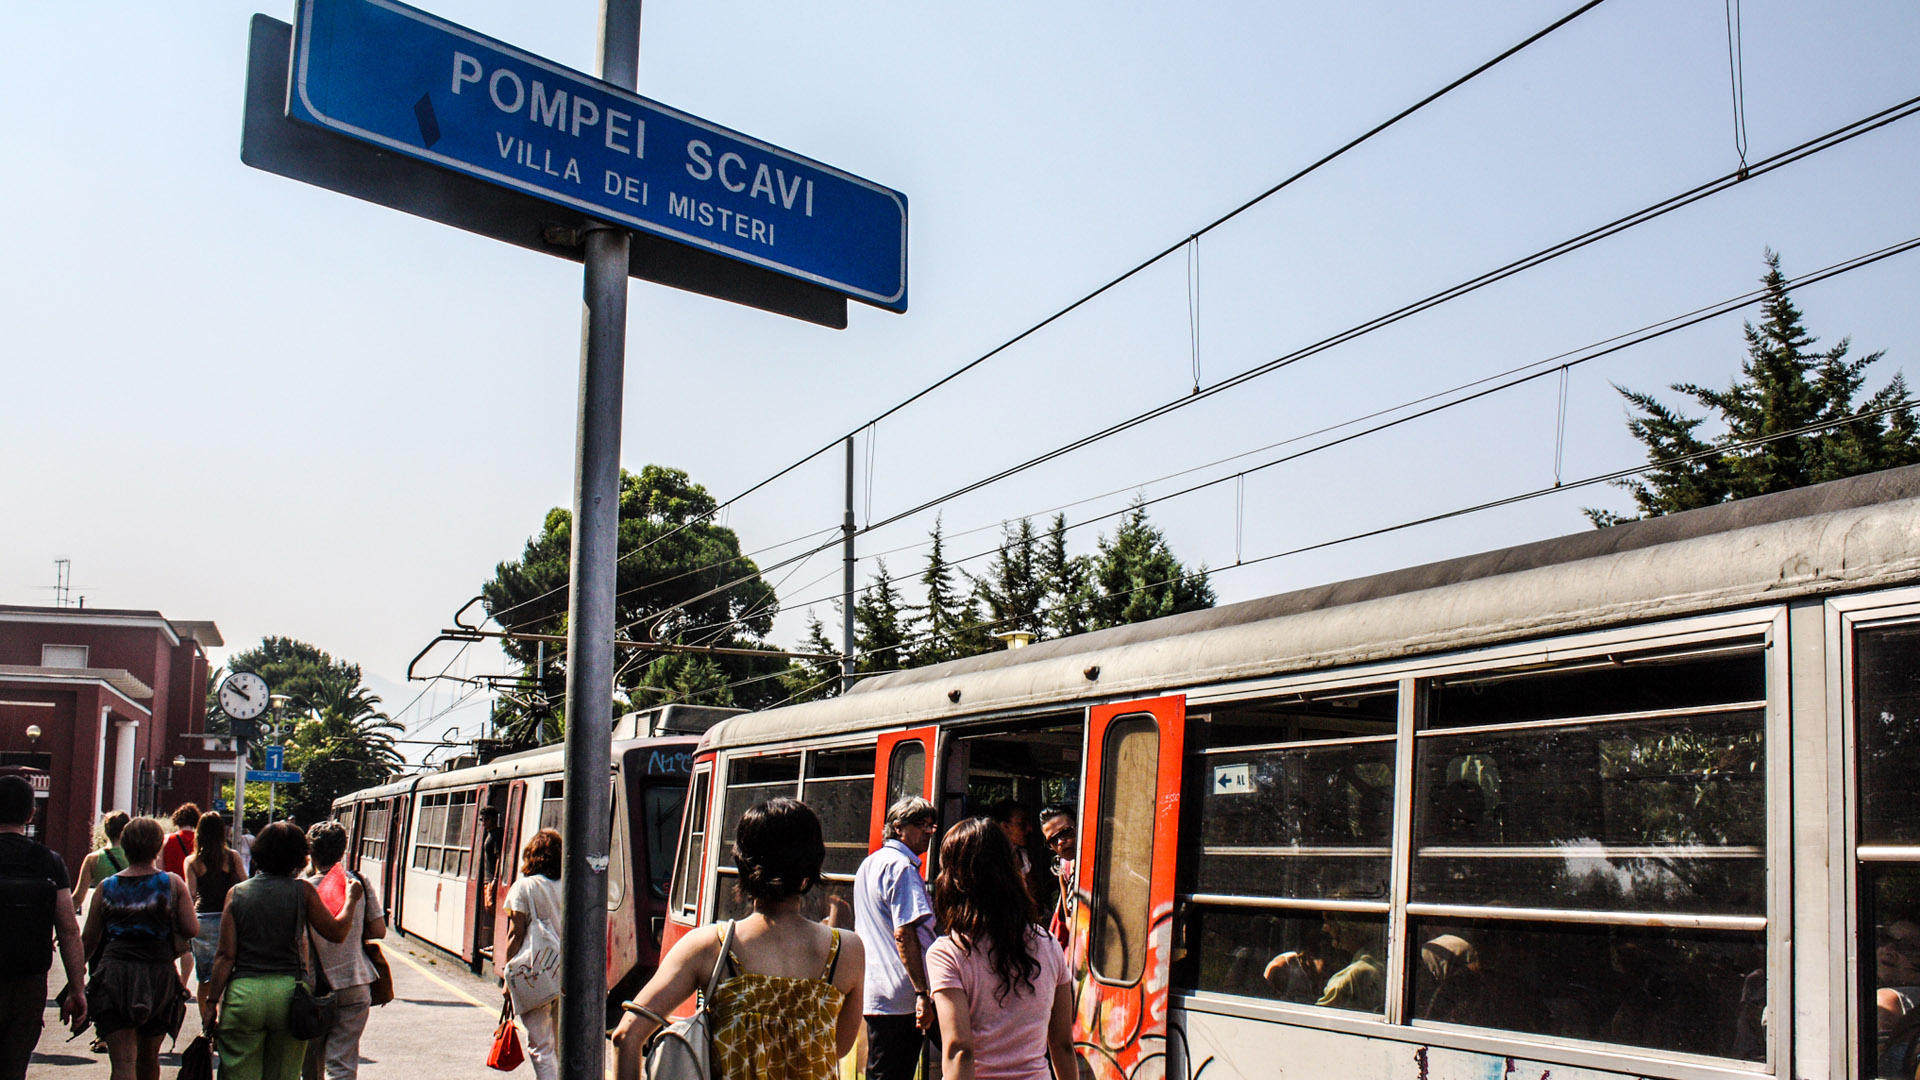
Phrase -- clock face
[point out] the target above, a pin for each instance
(243, 696)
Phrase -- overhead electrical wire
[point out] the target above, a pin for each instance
(1519, 375)
(1829, 140)
(1133, 271)
(1509, 500)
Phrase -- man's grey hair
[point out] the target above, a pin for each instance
(907, 809)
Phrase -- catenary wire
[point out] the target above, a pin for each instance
(1139, 267)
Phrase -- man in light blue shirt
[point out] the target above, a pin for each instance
(895, 921)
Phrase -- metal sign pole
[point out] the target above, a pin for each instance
(596, 522)
(239, 790)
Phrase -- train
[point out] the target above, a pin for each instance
(440, 874)
(1633, 802)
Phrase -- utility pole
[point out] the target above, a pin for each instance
(846, 582)
(596, 524)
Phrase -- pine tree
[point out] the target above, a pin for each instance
(1135, 576)
(1064, 580)
(880, 626)
(1013, 590)
(948, 625)
(810, 680)
(1783, 386)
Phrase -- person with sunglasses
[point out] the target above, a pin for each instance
(1058, 825)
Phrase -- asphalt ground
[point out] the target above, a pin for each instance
(439, 1024)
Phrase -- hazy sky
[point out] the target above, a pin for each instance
(230, 396)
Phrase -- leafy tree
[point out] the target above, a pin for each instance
(305, 673)
(345, 744)
(1783, 386)
(681, 579)
(1014, 588)
(1134, 576)
(339, 739)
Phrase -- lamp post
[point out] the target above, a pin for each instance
(279, 719)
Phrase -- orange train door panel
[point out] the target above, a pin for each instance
(1123, 919)
(902, 766)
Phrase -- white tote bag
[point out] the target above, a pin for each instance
(533, 973)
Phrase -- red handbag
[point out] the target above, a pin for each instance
(506, 1054)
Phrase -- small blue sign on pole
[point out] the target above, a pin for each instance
(403, 80)
(272, 776)
(276, 758)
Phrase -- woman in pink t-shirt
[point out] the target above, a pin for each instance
(1000, 983)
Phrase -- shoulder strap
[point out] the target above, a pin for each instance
(720, 962)
(833, 956)
(113, 862)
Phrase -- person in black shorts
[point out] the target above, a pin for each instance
(37, 908)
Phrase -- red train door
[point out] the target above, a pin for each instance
(902, 766)
(1123, 921)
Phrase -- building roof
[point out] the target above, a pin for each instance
(121, 680)
(204, 632)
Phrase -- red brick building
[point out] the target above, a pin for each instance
(99, 703)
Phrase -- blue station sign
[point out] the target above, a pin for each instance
(408, 82)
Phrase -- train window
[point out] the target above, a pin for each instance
(1886, 709)
(661, 808)
(373, 837)
(1129, 770)
(553, 806)
(749, 781)
(1565, 820)
(839, 788)
(1687, 991)
(1640, 681)
(906, 770)
(1288, 869)
(445, 833)
(693, 849)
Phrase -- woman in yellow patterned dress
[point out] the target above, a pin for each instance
(789, 1005)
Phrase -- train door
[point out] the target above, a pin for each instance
(512, 821)
(399, 837)
(1122, 945)
(690, 859)
(482, 886)
(905, 760)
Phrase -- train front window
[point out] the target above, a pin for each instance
(661, 807)
(1886, 711)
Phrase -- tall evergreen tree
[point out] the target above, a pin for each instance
(880, 625)
(1135, 577)
(1014, 588)
(810, 680)
(1783, 385)
(948, 625)
(1064, 582)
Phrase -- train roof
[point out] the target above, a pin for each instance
(1856, 533)
(519, 763)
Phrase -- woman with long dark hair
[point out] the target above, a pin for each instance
(211, 870)
(788, 1007)
(999, 980)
